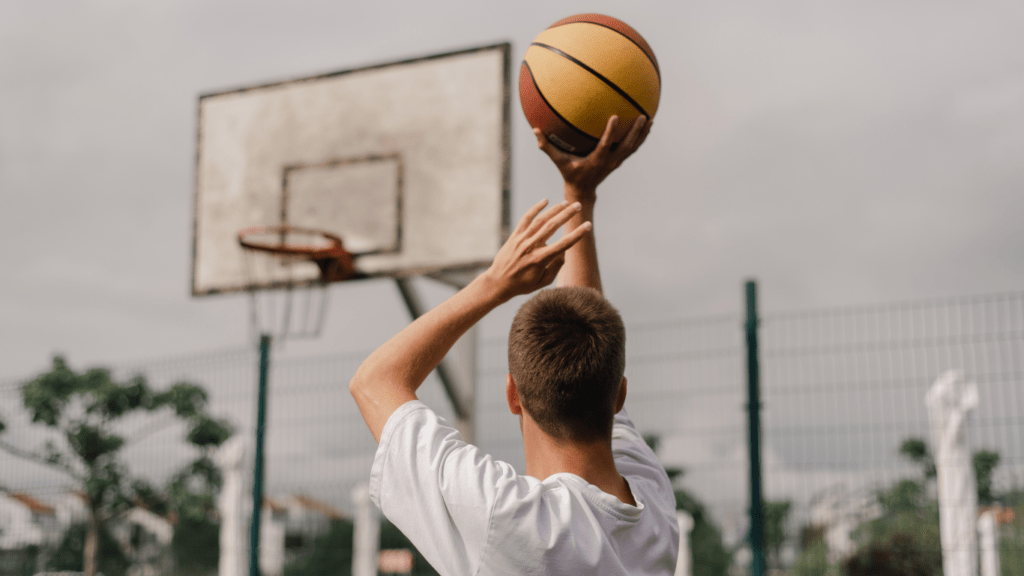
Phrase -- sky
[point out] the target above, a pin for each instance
(840, 153)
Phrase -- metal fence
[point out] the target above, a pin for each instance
(842, 389)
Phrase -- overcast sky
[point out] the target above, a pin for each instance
(842, 153)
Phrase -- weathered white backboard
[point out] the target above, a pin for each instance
(407, 162)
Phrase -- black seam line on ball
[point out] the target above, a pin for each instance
(552, 108)
(650, 57)
(596, 74)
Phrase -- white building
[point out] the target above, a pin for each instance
(26, 521)
(28, 530)
(838, 512)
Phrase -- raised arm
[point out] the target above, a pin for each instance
(391, 375)
(582, 176)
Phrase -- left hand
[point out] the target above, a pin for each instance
(526, 262)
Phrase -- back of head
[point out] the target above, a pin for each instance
(567, 355)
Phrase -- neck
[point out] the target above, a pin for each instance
(592, 461)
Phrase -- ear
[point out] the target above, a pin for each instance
(621, 400)
(512, 396)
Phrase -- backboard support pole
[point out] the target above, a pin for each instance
(461, 388)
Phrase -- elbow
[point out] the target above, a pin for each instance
(356, 384)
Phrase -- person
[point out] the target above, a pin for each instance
(594, 499)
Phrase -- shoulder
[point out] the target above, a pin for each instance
(417, 438)
(639, 464)
(436, 488)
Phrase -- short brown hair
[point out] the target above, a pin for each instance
(567, 355)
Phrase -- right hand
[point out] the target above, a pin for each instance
(583, 174)
(526, 262)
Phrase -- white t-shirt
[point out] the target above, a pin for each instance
(469, 514)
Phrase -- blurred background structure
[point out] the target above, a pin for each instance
(846, 447)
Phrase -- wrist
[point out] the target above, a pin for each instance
(489, 288)
(581, 193)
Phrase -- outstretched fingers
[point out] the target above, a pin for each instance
(557, 249)
(527, 219)
(637, 134)
(549, 222)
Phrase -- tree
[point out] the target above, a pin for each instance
(332, 553)
(900, 555)
(984, 463)
(905, 539)
(111, 560)
(776, 514)
(87, 412)
(916, 450)
(710, 556)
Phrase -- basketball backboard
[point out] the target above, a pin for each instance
(407, 162)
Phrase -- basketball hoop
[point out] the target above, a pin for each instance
(323, 248)
(285, 248)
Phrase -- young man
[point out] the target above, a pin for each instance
(594, 499)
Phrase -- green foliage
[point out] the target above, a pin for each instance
(905, 539)
(47, 396)
(68, 556)
(902, 554)
(192, 492)
(775, 516)
(196, 545)
(1011, 547)
(984, 463)
(904, 496)
(709, 554)
(91, 443)
(916, 450)
(208, 432)
(813, 561)
(149, 497)
(332, 553)
(190, 497)
(84, 409)
(187, 400)
(907, 514)
(653, 441)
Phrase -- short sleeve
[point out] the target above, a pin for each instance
(637, 462)
(436, 488)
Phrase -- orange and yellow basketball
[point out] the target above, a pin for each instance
(582, 70)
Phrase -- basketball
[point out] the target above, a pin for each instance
(582, 70)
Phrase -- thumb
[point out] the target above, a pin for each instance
(548, 148)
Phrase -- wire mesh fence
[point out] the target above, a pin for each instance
(843, 390)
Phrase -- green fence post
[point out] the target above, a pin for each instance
(257, 478)
(757, 564)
